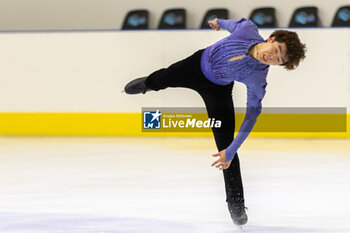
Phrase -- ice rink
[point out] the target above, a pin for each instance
(166, 185)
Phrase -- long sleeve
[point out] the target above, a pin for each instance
(228, 24)
(252, 113)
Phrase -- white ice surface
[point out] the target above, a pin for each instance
(133, 185)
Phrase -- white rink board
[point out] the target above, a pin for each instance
(86, 71)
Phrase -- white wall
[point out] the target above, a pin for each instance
(86, 72)
(109, 14)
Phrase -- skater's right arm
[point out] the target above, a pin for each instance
(227, 24)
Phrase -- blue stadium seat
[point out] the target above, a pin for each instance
(342, 17)
(173, 19)
(264, 17)
(305, 17)
(220, 13)
(136, 20)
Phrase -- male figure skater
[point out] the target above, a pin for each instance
(243, 56)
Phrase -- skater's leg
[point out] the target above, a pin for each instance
(233, 182)
(179, 74)
(220, 107)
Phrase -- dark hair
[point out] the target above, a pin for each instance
(295, 49)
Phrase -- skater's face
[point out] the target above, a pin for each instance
(272, 52)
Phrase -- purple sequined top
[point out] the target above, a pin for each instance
(218, 69)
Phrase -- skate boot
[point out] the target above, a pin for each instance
(237, 212)
(136, 86)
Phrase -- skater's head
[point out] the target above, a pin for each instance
(281, 48)
(295, 50)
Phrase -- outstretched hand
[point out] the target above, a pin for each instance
(220, 163)
(214, 24)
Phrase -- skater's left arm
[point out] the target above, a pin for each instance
(220, 162)
(253, 111)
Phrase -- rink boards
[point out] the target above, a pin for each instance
(70, 83)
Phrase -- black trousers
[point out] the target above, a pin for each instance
(218, 101)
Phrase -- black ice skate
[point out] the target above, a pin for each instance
(136, 86)
(238, 214)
